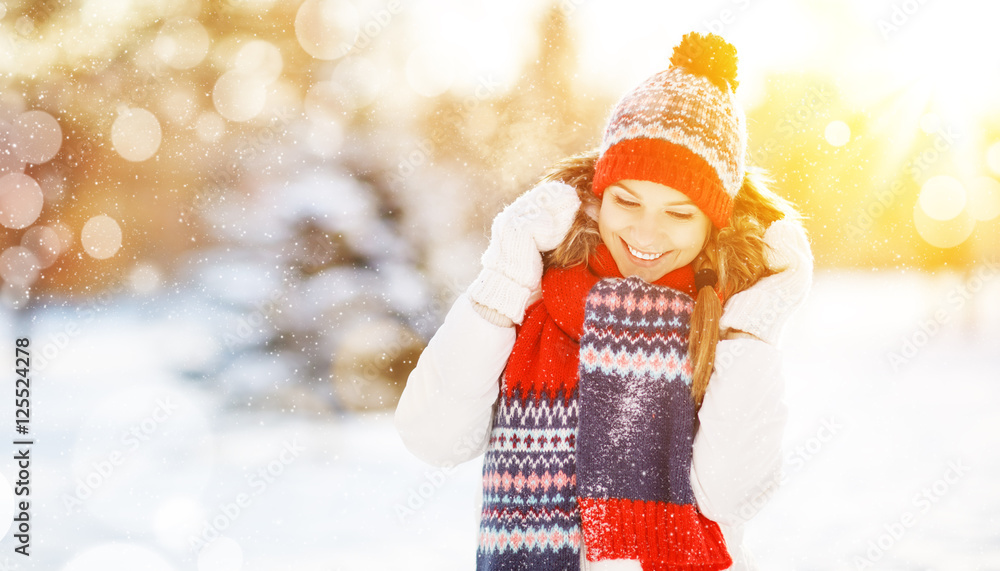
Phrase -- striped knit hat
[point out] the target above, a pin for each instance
(682, 128)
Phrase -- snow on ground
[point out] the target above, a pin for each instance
(890, 464)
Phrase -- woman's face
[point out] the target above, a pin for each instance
(650, 229)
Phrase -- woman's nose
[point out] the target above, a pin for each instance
(648, 233)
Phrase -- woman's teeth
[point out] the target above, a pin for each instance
(642, 255)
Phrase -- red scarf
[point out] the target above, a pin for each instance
(552, 326)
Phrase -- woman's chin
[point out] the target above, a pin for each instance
(647, 274)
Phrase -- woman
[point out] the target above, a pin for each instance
(628, 420)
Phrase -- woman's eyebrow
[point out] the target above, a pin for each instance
(626, 189)
(685, 202)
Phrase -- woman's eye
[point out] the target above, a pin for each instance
(626, 203)
(681, 215)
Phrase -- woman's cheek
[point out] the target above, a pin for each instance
(615, 220)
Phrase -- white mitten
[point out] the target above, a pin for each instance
(512, 264)
(763, 308)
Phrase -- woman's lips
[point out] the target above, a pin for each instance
(634, 255)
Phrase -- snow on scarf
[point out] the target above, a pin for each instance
(538, 449)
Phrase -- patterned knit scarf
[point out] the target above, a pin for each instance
(615, 475)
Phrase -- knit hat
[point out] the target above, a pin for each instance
(682, 128)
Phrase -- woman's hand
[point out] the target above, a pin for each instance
(762, 309)
(512, 264)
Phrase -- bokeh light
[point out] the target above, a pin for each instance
(984, 198)
(10, 158)
(136, 134)
(942, 197)
(222, 554)
(179, 105)
(145, 278)
(324, 138)
(146, 426)
(38, 136)
(837, 133)
(101, 237)
(259, 59)
(360, 82)
(21, 200)
(325, 101)
(44, 243)
(177, 519)
(15, 295)
(117, 556)
(53, 184)
(943, 233)
(19, 266)
(327, 29)
(238, 96)
(255, 5)
(209, 126)
(10, 161)
(993, 157)
(65, 233)
(930, 123)
(182, 43)
(430, 70)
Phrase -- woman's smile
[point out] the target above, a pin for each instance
(640, 255)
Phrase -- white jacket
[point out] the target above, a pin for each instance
(445, 415)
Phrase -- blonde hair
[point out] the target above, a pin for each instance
(736, 252)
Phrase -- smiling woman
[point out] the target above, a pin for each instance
(605, 447)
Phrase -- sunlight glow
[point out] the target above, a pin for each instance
(942, 197)
(837, 133)
(327, 29)
(182, 43)
(984, 198)
(946, 233)
(993, 157)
